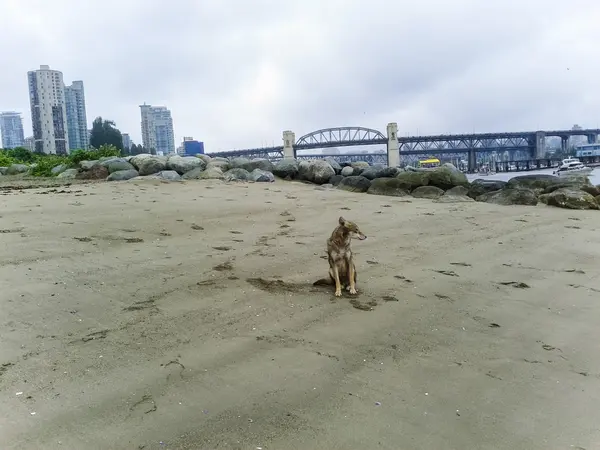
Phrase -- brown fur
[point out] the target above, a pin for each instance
(342, 271)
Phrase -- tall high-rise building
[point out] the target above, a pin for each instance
(29, 143)
(126, 141)
(76, 116)
(157, 129)
(48, 110)
(11, 128)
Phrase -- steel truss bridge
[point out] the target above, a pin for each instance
(444, 145)
(371, 158)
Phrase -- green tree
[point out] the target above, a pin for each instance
(104, 132)
(21, 154)
(137, 149)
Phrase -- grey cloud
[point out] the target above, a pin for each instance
(237, 73)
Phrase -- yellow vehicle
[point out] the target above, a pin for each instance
(429, 163)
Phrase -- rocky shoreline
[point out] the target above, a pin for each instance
(443, 184)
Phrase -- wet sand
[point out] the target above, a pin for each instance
(149, 315)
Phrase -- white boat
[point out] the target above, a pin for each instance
(572, 166)
(566, 161)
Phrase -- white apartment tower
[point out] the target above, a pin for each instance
(11, 128)
(48, 111)
(157, 129)
(76, 116)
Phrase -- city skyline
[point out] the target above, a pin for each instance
(250, 75)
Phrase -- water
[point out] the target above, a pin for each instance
(505, 176)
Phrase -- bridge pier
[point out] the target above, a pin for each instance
(472, 163)
(540, 145)
(288, 144)
(592, 138)
(564, 143)
(393, 147)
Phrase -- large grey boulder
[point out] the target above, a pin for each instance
(183, 164)
(387, 186)
(147, 164)
(262, 176)
(116, 164)
(237, 174)
(286, 168)
(319, 171)
(169, 175)
(221, 163)
(508, 196)
(379, 171)
(537, 182)
(150, 166)
(122, 175)
(333, 163)
(572, 199)
(347, 171)
(481, 186)
(59, 169)
(411, 180)
(68, 174)
(431, 192)
(354, 183)
(360, 165)
(238, 162)
(15, 169)
(211, 173)
(258, 163)
(446, 177)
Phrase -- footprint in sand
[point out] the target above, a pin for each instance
(145, 405)
(226, 266)
(515, 284)
(449, 273)
(174, 369)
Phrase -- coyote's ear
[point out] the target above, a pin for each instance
(342, 220)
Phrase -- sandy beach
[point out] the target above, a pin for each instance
(153, 315)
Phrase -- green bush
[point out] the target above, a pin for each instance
(77, 156)
(45, 164)
(21, 155)
(5, 159)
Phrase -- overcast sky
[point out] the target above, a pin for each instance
(236, 73)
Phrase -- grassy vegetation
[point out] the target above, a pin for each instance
(45, 163)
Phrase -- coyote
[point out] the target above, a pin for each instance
(341, 264)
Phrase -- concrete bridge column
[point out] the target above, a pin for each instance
(592, 138)
(540, 145)
(564, 143)
(288, 144)
(393, 152)
(472, 163)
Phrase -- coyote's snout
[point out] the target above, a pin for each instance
(342, 270)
